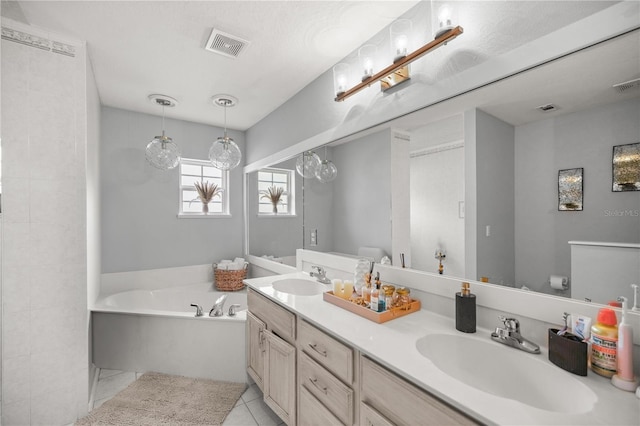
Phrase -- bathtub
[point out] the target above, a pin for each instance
(141, 330)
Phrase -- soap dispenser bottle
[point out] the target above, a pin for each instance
(465, 310)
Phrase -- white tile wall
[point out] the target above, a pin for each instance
(44, 319)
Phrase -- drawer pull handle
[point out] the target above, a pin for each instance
(315, 348)
(314, 382)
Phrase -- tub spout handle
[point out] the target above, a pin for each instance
(198, 309)
(232, 309)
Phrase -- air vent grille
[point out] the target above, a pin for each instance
(225, 44)
(627, 85)
(548, 108)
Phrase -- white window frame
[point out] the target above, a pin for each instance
(289, 192)
(224, 198)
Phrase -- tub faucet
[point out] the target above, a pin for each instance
(321, 274)
(218, 306)
(198, 309)
(510, 335)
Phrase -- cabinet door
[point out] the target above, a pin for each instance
(280, 377)
(255, 349)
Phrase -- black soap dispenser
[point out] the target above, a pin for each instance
(466, 310)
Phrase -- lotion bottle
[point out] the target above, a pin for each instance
(466, 310)
(624, 378)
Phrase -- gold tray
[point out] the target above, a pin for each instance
(367, 313)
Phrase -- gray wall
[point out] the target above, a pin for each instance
(362, 194)
(274, 235)
(140, 227)
(583, 139)
(495, 199)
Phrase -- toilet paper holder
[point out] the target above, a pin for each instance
(559, 282)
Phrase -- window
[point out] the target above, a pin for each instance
(192, 171)
(280, 178)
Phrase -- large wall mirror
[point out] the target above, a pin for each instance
(482, 179)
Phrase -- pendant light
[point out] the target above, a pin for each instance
(307, 164)
(224, 154)
(162, 152)
(327, 170)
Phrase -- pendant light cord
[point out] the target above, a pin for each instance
(163, 121)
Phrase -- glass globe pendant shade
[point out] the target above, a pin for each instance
(224, 153)
(162, 153)
(327, 171)
(308, 164)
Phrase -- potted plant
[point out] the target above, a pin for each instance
(206, 192)
(273, 194)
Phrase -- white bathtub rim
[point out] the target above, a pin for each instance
(206, 287)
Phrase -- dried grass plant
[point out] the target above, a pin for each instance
(207, 191)
(273, 194)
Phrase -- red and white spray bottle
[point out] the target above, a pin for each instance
(624, 378)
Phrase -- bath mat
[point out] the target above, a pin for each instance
(159, 399)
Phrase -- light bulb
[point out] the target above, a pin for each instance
(307, 164)
(162, 153)
(327, 171)
(340, 78)
(366, 54)
(400, 30)
(224, 154)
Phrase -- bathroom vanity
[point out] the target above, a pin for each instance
(318, 364)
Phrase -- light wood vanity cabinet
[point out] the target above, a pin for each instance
(388, 400)
(271, 354)
(310, 378)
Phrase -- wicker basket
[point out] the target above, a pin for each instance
(229, 280)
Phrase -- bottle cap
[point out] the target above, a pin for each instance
(607, 316)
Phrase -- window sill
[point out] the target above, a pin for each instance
(203, 216)
(276, 216)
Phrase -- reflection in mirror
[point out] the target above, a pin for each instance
(274, 223)
(353, 211)
(484, 182)
(437, 196)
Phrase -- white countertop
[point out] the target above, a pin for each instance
(393, 345)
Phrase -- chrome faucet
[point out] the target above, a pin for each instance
(218, 306)
(198, 309)
(510, 335)
(321, 274)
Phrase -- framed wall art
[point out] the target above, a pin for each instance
(570, 184)
(626, 167)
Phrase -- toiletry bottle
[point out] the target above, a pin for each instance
(374, 303)
(381, 299)
(604, 343)
(466, 310)
(624, 378)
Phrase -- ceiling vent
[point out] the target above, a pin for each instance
(225, 44)
(627, 85)
(548, 108)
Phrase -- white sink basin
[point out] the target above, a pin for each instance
(507, 372)
(298, 287)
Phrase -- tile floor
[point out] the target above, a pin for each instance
(250, 410)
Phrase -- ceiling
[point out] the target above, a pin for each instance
(142, 47)
(138, 48)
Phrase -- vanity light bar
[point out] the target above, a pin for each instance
(440, 41)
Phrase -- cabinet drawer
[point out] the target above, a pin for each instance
(401, 402)
(331, 392)
(278, 319)
(333, 355)
(370, 417)
(313, 413)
